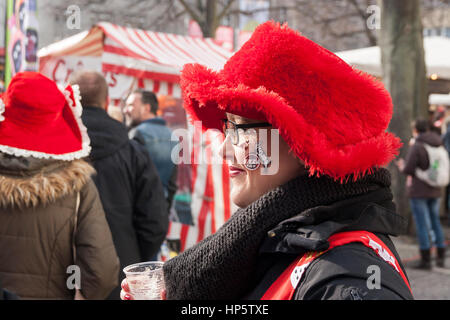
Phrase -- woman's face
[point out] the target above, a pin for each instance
(249, 185)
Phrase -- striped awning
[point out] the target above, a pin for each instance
(86, 43)
(155, 59)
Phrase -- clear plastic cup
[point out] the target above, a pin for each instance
(146, 280)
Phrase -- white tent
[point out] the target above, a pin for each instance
(437, 58)
(130, 57)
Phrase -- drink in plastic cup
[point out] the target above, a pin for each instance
(146, 280)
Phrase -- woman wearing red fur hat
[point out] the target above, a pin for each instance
(51, 217)
(316, 223)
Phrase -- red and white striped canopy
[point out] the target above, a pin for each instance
(154, 58)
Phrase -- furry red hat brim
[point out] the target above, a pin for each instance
(209, 99)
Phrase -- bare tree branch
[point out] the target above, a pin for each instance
(225, 10)
(324, 21)
(192, 12)
(363, 15)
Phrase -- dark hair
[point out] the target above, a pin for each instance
(93, 88)
(148, 97)
(421, 125)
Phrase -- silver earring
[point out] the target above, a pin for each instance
(263, 156)
(252, 162)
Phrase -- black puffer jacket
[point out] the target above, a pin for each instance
(39, 226)
(129, 187)
(341, 273)
(253, 248)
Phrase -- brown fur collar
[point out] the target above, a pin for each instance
(44, 187)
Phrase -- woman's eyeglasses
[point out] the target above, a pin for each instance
(232, 129)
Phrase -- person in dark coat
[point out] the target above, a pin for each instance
(424, 199)
(305, 143)
(52, 223)
(128, 183)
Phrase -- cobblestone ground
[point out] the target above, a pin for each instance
(426, 285)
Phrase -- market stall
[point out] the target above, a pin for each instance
(132, 58)
(436, 58)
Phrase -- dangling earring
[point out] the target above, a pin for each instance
(264, 159)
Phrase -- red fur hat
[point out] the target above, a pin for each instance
(40, 120)
(334, 117)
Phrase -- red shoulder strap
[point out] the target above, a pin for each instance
(284, 287)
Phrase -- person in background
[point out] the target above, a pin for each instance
(424, 198)
(52, 223)
(127, 180)
(146, 127)
(446, 141)
(434, 114)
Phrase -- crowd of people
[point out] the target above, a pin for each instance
(81, 189)
(76, 190)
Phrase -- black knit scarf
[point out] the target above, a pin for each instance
(220, 266)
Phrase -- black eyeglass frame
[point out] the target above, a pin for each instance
(244, 126)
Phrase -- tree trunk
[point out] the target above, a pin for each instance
(205, 14)
(404, 75)
(212, 22)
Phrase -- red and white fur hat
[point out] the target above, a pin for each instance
(42, 120)
(334, 117)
